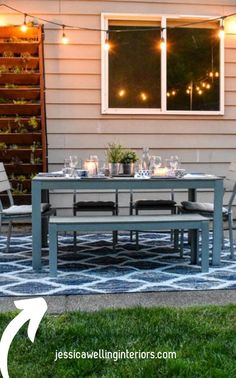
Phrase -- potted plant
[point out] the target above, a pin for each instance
(114, 155)
(128, 159)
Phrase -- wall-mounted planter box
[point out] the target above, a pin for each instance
(19, 199)
(23, 154)
(20, 93)
(5, 123)
(16, 32)
(29, 63)
(19, 47)
(24, 169)
(21, 109)
(20, 78)
(26, 184)
(20, 139)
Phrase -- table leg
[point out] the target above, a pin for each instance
(217, 222)
(192, 195)
(192, 240)
(36, 226)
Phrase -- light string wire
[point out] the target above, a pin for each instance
(115, 30)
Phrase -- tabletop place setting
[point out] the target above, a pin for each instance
(120, 163)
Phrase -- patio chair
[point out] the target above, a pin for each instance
(96, 206)
(21, 212)
(207, 209)
(152, 205)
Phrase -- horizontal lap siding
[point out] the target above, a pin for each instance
(73, 91)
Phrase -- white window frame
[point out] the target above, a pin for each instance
(105, 18)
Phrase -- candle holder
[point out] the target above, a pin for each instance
(91, 166)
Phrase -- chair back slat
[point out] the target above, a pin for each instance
(4, 182)
(230, 178)
(230, 184)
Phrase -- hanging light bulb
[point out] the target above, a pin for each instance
(168, 94)
(216, 74)
(173, 93)
(208, 86)
(24, 26)
(64, 38)
(143, 96)
(188, 91)
(162, 43)
(200, 92)
(221, 29)
(107, 45)
(121, 93)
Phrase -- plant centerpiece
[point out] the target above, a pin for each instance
(128, 159)
(114, 155)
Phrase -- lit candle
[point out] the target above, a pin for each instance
(161, 171)
(91, 167)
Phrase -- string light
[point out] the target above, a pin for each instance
(216, 74)
(208, 86)
(121, 93)
(64, 38)
(107, 44)
(143, 96)
(24, 26)
(221, 28)
(221, 18)
(162, 41)
(171, 93)
(200, 92)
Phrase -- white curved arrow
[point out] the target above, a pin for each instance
(33, 310)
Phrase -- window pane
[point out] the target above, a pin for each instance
(134, 67)
(193, 68)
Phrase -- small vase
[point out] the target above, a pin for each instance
(128, 169)
(114, 169)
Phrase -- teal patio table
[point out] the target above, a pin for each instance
(40, 183)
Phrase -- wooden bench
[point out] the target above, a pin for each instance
(130, 223)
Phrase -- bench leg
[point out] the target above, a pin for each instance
(181, 243)
(205, 247)
(176, 239)
(52, 250)
(194, 246)
(137, 240)
(114, 239)
(75, 240)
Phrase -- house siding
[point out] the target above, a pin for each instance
(75, 124)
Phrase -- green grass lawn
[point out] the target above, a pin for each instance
(204, 339)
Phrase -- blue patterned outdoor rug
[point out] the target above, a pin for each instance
(95, 268)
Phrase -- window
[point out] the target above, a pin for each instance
(141, 77)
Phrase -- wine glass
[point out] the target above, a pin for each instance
(155, 163)
(174, 162)
(67, 167)
(73, 164)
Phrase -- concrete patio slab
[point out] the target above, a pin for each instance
(62, 304)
